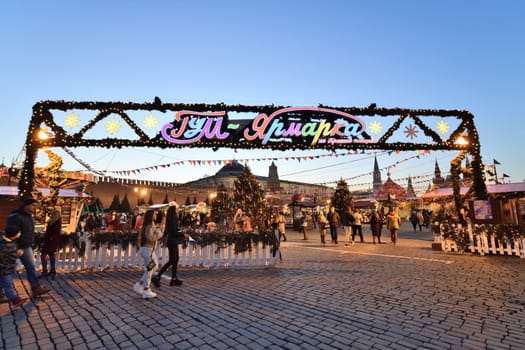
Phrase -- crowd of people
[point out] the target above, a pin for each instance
(153, 225)
(114, 221)
(353, 220)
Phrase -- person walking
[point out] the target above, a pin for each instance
(281, 220)
(174, 238)
(420, 220)
(8, 256)
(238, 220)
(323, 225)
(347, 219)
(358, 226)
(303, 223)
(414, 220)
(22, 220)
(247, 224)
(393, 222)
(333, 220)
(50, 245)
(147, 240)
(376, 223)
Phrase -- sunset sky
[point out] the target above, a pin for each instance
(465, 55)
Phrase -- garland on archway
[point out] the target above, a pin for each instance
(42, 115)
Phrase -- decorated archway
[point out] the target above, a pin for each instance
(273, 127)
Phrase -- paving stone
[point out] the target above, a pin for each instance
(319, 297)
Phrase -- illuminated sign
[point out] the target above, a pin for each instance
(190, 127)
(299, 124)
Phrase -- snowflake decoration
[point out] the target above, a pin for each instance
(112, 126)
(442, 127)
(411, 131)
(375, 127)
(72, 120)
(150, 122)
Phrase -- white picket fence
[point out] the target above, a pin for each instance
(482, 244)
(115, 256)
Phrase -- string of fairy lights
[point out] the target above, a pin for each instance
(116, 114)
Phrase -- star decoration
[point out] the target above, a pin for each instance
(375, 127)
(442, 127)
(150, 122)
(411, 131)
(112, 126)
(72, 120)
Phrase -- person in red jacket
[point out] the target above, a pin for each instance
(51, 240)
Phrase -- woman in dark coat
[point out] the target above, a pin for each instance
(376, 223)
(50, 245)
(175, 237)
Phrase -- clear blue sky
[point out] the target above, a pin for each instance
(411, 54)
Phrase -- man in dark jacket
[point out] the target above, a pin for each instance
(22, 220)
(333, 219)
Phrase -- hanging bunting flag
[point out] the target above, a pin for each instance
(245, 161)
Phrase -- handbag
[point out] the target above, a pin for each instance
(151, 265)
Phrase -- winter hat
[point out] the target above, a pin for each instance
(29, 200)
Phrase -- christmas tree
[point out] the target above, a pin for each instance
(342, 198)
(150, 200)
(53, 176)
(115, 204)
(220, 205)
(249, 196)
(125, 207)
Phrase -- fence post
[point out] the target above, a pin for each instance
(111, 255)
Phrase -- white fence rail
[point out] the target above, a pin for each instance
(483, 244)
(116, 256)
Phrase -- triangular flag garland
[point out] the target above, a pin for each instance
(230, 161)
(287, 158)
(371, 173)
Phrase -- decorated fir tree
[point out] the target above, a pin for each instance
(249, 196)
(115, 204)
(125, 207)
(150, 200)
(53, 176)
(342, 198)
(220, 205)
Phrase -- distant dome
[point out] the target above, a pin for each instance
(233, 169)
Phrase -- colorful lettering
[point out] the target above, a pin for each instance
(316, 125)
(192, 129)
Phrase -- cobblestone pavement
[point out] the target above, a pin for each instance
(364, 296)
